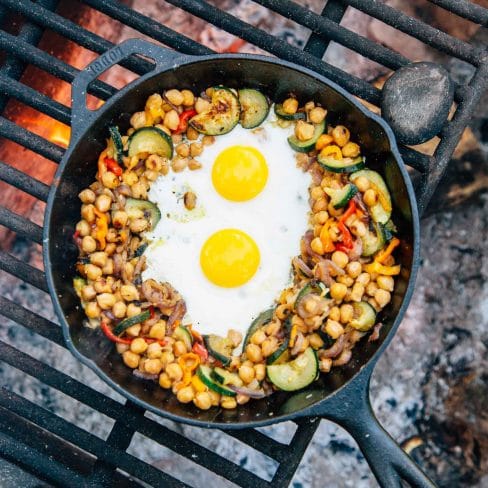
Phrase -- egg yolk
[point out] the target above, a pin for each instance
(239, 173)
(229, 258)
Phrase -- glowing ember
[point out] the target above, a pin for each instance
(60, 134)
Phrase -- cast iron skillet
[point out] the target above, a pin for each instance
(341, 396)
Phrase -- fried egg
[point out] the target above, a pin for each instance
(230, 256)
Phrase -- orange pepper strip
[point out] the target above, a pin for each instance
(327, 243)
(187, 368)
(385, 253)
(346, 235)
(376, 267)
(293, 335)
(102, 227)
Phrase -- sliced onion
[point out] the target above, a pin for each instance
(242, 390)
(356, 250)
(300, 265)
(335, 350)
(344, 358)
(140, 264)
(375, 335)
(297, 347)
(144, 376)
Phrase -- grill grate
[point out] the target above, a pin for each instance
(54, 449)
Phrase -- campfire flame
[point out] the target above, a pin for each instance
(60, 134)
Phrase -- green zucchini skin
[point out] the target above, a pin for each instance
(254, 107)
(282, 354)
(205, 375)
(143, 208)
(374, 240)
(118, 145)
(262, 319)
(278, 110)
(365, 316)
(181, 333)
(221, 375)
(346, 165)
(150, 140)
(130, 321)
(219, 348)
(309, 144)
(340, 197)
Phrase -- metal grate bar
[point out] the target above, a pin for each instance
(23, 182)
(416, 28)
(301, 439)
(276, 46)
(29, 140)
(23, 227)
(465, 9)
(261, 442)
(23, 271)
(148, 26)
(31, 459)
(34, 99)
(135, 418)
(415, 159)
(89, 442)
(31, 321)
(331, 30)
(74, 32)
(50, 64)
(317, 45)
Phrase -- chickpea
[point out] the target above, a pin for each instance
(322, 141)
(260, 371)
(202, 105)
(371, 288)
(325, 365)
(83, 228)
(167, 357)
(179, 348)
(341, 135)
(171, 120)
(359, 228)
(192, 134)
(345, 280)
(188, 98)
(153, 366)
(99, 259)
(88, 293)
(383, 297)
(203, 400)
(315, 341)
(138, 345)
(175, 97)
(131, 359)
(385, 283)
(133, 310)
(340, 258)
(154, 351)
(309, 106)
(269, 346)
(282, 311)
(290, 106)
(106, 301)
(103, 203)
(129, 293)
(139, 190)
(351, 150)
(338, 291)
(179, 164)
(334, 329)
(138, 120)
(121, 347)
(164, 381)
(208, 140)
(242, 399)
(193, 164)
(370, 197)
(130, 178)
(133, 330)
(110, 180)
(246, 373)
(317, 115)
(151, 175)
(190, 200)
(174, 371)
(362, 184)
(87, 196)
(112, 235)
(92, 310)
(354, 269)
(335, 313)
(303, 130)
(317, 192)
(93, 272)
(88, 212)
(120, 219)
(347, 313)
(138, 225)
(183, 150)
(158, 330)
(357, 292)
(273, 327)
(88, 244)
(253, 353)
(196, 149)
(228, 403)
(119, 309)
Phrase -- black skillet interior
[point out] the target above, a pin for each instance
(276, 80)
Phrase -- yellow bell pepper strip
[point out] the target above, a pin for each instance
(381, 198)
(327, 243)
(293, 335)
(188, 363)
(376, 267)
(385, 253)
(198, 384)
(102, 228)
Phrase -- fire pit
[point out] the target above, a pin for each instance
(63, 426)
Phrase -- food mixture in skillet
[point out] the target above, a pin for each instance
(229, 250)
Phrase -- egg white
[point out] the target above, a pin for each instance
(276, 219)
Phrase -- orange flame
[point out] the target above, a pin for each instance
(60, 134)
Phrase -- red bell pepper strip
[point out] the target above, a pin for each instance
(346, 235)
(110, 335)
(184, 118)
(201, 350)
(151, 312)
(113, 166)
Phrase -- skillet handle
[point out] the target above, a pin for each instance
(81, 115)
(351, 409)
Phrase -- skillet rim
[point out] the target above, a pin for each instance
(173, 64)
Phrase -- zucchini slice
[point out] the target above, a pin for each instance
(346, 165)
(373, 241)
(313, 286)
(364, 316)
(117, 142)
(137, 209)
(205, 375)
(220, 348)
(380, 211)
(295, 374)
(282, 354)
(151, 140)
(130, 321)
(221, 375)
(181, 333)
(340, 197)
(223, 115)
(278, 110)
(254, 107)
(262, 319)
(309, 144)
